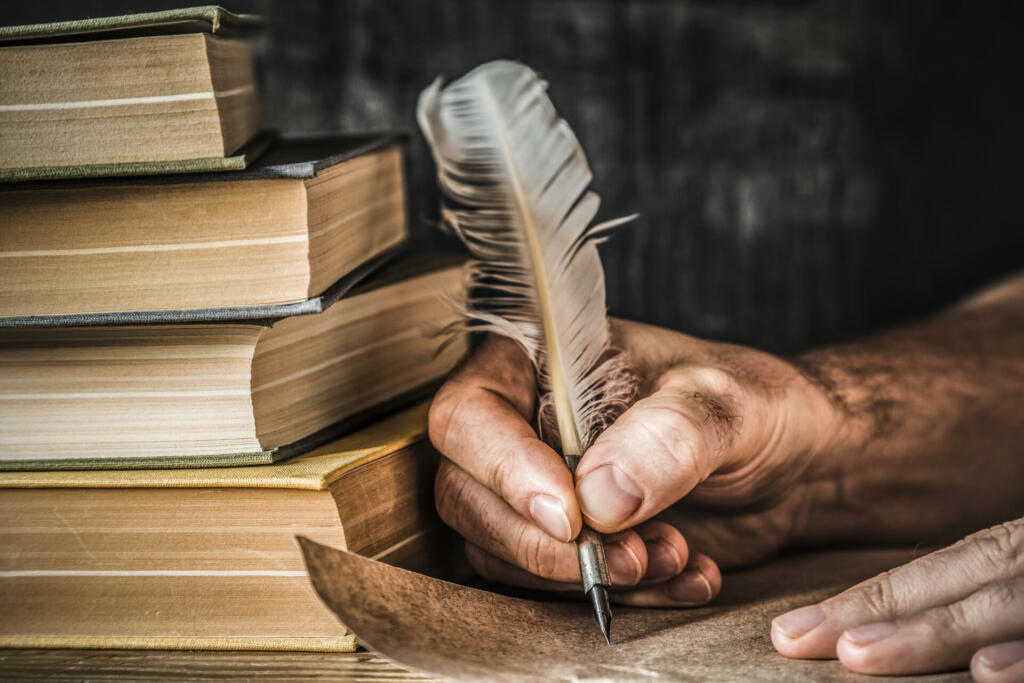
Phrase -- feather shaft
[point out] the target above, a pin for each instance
(567, 428)
(518, 179)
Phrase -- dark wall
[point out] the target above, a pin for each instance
(803, 170)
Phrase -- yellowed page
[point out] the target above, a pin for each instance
(314, 470)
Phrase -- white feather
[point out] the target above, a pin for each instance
(519, 178)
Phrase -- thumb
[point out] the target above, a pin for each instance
(658, 450)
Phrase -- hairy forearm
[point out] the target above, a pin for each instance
(930, 440)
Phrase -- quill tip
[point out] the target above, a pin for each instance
(602, 611)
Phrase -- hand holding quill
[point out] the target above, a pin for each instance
(517, 179)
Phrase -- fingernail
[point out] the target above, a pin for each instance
(796, 623)
(663, 560)
(623, 564)
(1002, 656)
(871, 633)
(608, 496)
(549, 514)
(690, 587)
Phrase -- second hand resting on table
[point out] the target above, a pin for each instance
(731, 455)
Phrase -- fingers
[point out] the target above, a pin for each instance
(488, 522)
(940, 578)
(658, 450)
(1002, 663)
(479, 420)
(498, 570)
(938, 639)
(695, 585)
(667, 550)
(930, 615)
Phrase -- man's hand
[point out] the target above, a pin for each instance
(960, 605)
(730, 455)
(736, 426)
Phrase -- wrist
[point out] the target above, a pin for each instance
(841, 494)
(838, 401)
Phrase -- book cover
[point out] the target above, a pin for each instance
(206, 19)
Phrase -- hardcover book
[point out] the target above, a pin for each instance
(282, 231)
(146, 93)
(205, 558)
(230, 392)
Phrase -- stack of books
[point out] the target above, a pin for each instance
(211, 340)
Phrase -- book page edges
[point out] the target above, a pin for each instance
(314, 471)
(345, 643)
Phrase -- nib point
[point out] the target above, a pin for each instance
(602, 611)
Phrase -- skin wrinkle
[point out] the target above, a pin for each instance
(514, 544)
(494, 533)
(691, 453)
(658, 532)
(499, 477)
(448, 494)
(504, 531)
(758, 484)
(537, 554)
(441, 415)
(1000, 547)
(534, 552)
(525, 408)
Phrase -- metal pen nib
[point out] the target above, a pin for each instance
(593, 563)
(602, 611)
(596, 580)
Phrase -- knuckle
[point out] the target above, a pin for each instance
(717, 381)
(999, 547)
(996, 597)
(686, 454)
(720, 401)
(879, 597)
(500, 473)
(675, 434)
(949, 619)
(707, 379)
(535, 554)
(449, 491)
(442, 411)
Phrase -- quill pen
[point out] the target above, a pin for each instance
(516, 179)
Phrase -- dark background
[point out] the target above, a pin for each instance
(804, 170)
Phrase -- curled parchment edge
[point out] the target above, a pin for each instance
(455, 631)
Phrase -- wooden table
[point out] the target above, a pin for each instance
(142, 665)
